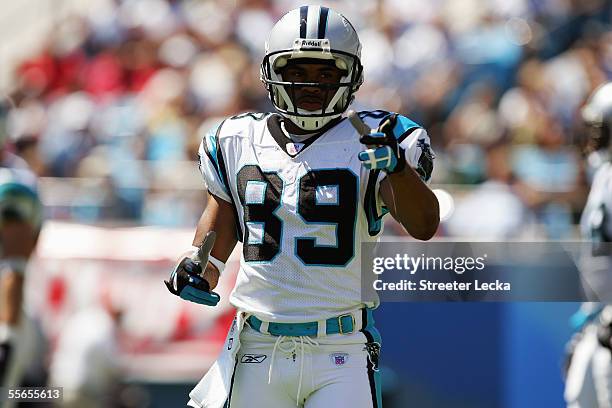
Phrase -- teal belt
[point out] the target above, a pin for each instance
(343, 324)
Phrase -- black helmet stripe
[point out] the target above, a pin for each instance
(322, 21)
(303, 21)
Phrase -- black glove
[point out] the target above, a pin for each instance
(186, 279)
(383, 151)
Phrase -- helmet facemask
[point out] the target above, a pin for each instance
(283, 93)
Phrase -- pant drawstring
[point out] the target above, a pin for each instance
(292, 349)
(310, 342)
(278, 340)
(297, 398)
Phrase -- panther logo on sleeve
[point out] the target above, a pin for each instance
(426, 161)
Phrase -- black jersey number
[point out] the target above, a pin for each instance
(327, 196)
(341, 185)
(260, 195)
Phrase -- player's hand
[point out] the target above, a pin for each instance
(186, 279)
(383, 151)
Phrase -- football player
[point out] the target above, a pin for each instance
(20, 223)
(589, 372)
(302, 189)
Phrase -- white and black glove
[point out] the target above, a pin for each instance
(186, 279)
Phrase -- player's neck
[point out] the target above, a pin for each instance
(295, 136)
(294, 130)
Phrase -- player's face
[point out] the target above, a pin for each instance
(312, 98)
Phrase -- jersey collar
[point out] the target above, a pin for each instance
(281, 139)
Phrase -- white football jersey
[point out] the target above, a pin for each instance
(596, 221)
(596, 226)
(303, 210)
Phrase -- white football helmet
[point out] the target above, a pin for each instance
(597, 115)
(312, 32)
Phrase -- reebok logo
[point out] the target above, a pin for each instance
(253, 358)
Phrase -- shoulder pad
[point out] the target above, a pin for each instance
(236, 125)
(256, 116)
(241, 125)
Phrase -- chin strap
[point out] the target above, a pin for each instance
(332, 121)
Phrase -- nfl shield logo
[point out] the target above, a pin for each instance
(294, 148)
(339, 359)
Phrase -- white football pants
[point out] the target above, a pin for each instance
(287, 372)
(589, 378)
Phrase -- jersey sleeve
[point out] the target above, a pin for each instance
(415, 143)
(210, 161)
(411, 137)
(416, 147)
(418, 153)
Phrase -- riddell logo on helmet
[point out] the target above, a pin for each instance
(312, 43)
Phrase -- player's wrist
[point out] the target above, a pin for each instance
(400, 163)
(406, 171)
(217, 263)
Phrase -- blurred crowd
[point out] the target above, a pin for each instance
(121, 93)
